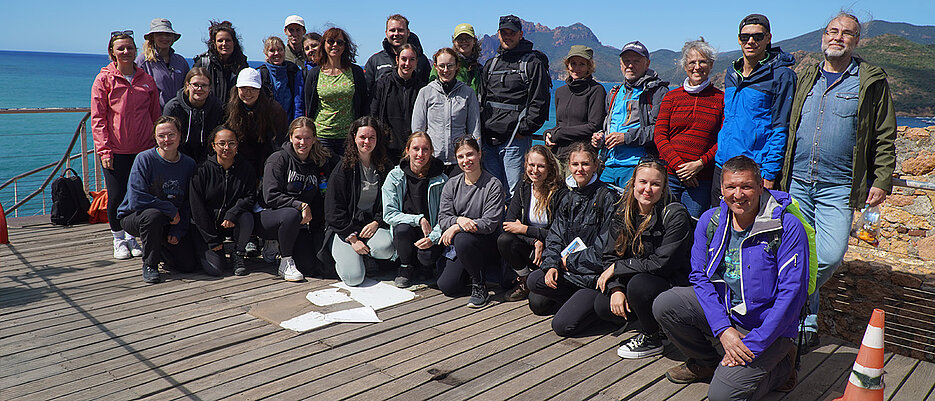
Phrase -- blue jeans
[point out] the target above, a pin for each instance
(617, 175)
(506, 162)
(825, 208)
(696, 199)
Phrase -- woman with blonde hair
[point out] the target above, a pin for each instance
(160, 61)
(283, 79)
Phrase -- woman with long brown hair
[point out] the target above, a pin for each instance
(224, 58)
(254, 116)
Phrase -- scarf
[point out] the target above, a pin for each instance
(695, 89)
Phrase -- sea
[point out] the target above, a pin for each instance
(44, 80)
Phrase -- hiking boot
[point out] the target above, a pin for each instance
(121, 251)
(688, 372)
(519, 292)
(270, 250)
(479, 296)
(789, 384)
(135, 249)
(643, 346)
(288, 271)
(251, 249)
(239, 268)
(403, 278)
(150, 274)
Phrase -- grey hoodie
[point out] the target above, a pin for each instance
(446, 117)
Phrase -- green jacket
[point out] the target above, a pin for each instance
(875, 149)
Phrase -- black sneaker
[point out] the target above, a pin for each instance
(150, 274)
(519, 292)
(239, 268)
(404, 277)
(479, 296)
(252, 250)
(643, 346)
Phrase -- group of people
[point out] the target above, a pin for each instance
(645, 203)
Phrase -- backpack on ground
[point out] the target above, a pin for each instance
(69, 202)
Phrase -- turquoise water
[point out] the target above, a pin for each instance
(41, 80)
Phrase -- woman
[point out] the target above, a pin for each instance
(649, 254)
(199, 112)
(223, 60)
(394, 96)
(470, 214)
(311, 44)
(411, 196)
(156, 206)
(160, 61)
(222, 197)
(573, 248)
(336, 90)
(579, 105)
(282, 79)
(124, 106)
(529, 217)
(258, 120)
(686, 130)
(354, 209)
(467, 50)
(293, 203)
(447, 109)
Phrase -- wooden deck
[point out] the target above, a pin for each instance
(76, 324)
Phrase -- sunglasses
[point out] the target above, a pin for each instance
(128, 32)
(745, 37)
(339, 42)
(652, 159)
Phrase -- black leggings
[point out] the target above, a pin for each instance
(152, 227)
(300, 242)
(116, 183)
(518, 252)
(641, 289)
(404, 238)
(473, 256)
(213, 262)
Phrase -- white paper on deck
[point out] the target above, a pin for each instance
(306, 322)
(364, 314)
(327, 297)
(377, 295)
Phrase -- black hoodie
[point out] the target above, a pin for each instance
(197, 123)
(392, 102)
(384, 62)
(497, 122)
(217, 194)
(342, 214)
(288, 182)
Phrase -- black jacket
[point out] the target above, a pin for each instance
(498, 123)
(217, 194)
(223, 76)
(251, 149)
(384, 62)
(342, 215)
(360, 104)
(197, 123)
(667, 247)
(586, 213)
(579, 112)
(519, 209)
(288, 182)
(392, 102)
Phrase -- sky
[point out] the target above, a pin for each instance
(85, 26)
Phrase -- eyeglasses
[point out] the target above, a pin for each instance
(339, 42)
(833, 33)
(226, 144)
(745, 37)
(199, 86)
(700, 63)
(128, 32)
(652, 159)
(446, 67)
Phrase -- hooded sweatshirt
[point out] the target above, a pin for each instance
(123, 112)
(197, 123)
(384, 61)
(392, 102)
(156, 183)
(396, 190)
(446, 116)
(343, 214)
(756, 112)
(169, 77)
(219, 194)
(289, 181)
(509, 89)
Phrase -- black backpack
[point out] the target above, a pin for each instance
(69, 202)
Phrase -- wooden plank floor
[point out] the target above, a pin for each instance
(77, 324)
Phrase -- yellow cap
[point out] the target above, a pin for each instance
(463, 28)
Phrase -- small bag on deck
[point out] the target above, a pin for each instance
(69, 202)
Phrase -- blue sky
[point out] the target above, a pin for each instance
(84, 27)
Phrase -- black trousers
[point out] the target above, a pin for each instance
(116, 183)
(152, 226)
(473, 257)
(213, 262)
(517, 251)
(404, 238)
(641, 290)
(300, 242)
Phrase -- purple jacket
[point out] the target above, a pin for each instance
(774, 273)
(169, 79)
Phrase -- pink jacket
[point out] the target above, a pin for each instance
(123, 113)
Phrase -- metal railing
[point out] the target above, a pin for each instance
(80, 136)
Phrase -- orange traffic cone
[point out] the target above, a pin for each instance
(4, 235)
(866, 381)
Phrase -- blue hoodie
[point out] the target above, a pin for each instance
(756, 112)
(774, 260)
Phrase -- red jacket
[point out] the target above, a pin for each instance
(123, 113)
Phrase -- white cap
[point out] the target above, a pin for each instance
(249, 77)
(294, 19)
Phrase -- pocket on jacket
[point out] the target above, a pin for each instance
(845, 104)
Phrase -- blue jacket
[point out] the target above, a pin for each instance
(774, 273)
(756, 112)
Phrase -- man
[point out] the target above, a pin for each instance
(294, 29)
(749, 281)
(841, 138)
(631, 115)
(384, 61)
(514, 100)
(757, 102)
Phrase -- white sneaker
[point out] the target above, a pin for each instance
(134, 247)
(121, 251)
(288, 271)
(270, 250)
